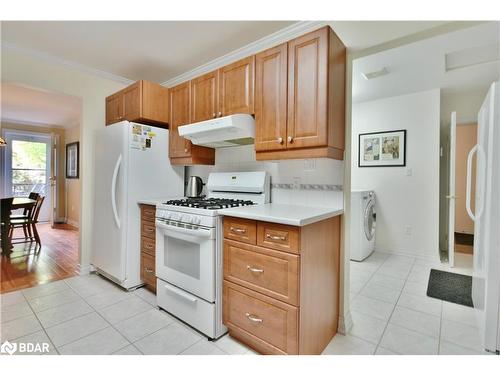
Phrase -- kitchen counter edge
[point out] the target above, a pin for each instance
(275, 213)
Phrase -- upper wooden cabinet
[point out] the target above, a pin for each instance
(224, 92)
(114, 108)
(182, 151)
(144, 102)
(204, 97)
(315, 104)
(236, 87)
(271, 77)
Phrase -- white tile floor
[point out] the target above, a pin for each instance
(392, 314)
(90, 315)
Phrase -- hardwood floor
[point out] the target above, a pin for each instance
(58, 259)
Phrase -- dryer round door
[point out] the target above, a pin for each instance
(370, 220)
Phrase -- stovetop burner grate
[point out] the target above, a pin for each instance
(209, 203)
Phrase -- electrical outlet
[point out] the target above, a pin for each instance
(408, 230)
(296, 183)
(310, 164)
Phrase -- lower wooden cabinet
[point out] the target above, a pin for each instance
(148, 246)
(281, 296)
(270, 325)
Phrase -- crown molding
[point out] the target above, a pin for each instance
(71, 64)
(7, 121)
(283, 35)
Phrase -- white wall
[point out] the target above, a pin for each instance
(403, 200)
(41, 72)
(317, 175)
(466, 104)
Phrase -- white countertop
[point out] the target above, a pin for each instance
(283, 213)
(155, 201)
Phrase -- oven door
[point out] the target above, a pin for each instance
(185, 257)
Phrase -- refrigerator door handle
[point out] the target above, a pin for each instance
(113, 190)
(480, 161)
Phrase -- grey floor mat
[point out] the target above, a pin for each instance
(451, 287)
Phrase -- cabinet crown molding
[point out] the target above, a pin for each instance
(283, 35)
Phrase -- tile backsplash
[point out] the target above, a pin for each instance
(309, 182)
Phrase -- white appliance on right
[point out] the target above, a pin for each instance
(363, 223)
(486, 274)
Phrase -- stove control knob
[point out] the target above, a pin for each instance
(166, 215)
(174, 216)
(186, 218)
(196, 220)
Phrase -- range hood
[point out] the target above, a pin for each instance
(228, 131)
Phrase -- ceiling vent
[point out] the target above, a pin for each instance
(378, 73)
(472, 56)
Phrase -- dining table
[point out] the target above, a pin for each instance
(17, 203)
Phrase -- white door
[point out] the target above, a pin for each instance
(451, 193)
(111, 158)
(28, 168)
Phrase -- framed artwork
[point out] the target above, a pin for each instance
(382, 149)
(72, 160)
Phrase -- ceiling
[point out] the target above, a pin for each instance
(421, 65)
(161, 50)
(21, 104)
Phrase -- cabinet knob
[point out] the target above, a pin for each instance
(186, 150)
(214, 115)
(290, 139)
(279, 140)
(220, 114)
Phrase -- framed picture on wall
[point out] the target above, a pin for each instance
(382, 149)
(72, 160)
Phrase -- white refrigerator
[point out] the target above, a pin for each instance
(486, 273)
(131, 163)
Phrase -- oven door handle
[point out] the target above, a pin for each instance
(175, 231)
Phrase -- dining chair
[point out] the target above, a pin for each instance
(29, 222)
(5, 210)
(26, 214)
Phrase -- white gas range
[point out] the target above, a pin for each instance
(189, 237)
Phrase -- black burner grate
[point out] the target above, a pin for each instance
(209, 203)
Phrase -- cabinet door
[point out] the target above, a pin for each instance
(204, 97)
(132, 101)
(307, 90)
(236, 87)
(179, 115)
(114, 108)
(270, 99)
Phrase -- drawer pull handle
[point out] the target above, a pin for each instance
(253, 318)
(237, 230)
(148, 270)
(275, 238)
(148, 246)
(253, 269)
(149, 229)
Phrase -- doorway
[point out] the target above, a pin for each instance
(29, 168)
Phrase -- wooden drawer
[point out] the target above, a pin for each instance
(242, 230)
(148, 274)
(268, 324)
(273, 273)
(148, 230)
(278, 236)
(148, 213)
(148, 246)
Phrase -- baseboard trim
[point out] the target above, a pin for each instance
(73, 223)
(83, 269)
(345, 323)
